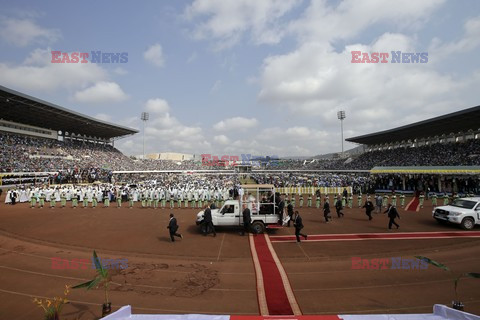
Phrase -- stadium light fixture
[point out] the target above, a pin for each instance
(341, 116)
(145, 116)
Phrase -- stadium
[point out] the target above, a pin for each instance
(240, 160)
(73, 192)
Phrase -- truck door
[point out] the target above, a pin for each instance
(228, 215)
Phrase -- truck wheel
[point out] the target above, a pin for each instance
(258, 227)
(467, 224)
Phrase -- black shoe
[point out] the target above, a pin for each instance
(214, 235)
(305, 237)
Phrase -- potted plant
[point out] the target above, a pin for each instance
(102, 278)
(456, 304)
(53, 307)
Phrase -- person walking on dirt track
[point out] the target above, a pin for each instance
(339, 207)
(298, 224)
(326, 210)
(368, 209)
(207, 218)
(173, 228)
(392, 215)
(378, 202)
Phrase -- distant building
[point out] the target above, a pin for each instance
(169, 156)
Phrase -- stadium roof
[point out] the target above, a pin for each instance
(460, 121)
(19, 107)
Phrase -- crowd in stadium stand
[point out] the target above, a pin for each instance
(78, 161)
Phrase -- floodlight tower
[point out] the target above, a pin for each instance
(144, 117)
(341, 116)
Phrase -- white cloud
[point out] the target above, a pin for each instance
(37, 73)
(324, 22)
(221, 139)
(164, 132)
(228, 19)
(24, 32)
(236, 123)
(216, 86)
(317, 81)
(120, 71)
(101, 92)
(154, 55)
(158, 106)
(469, 41)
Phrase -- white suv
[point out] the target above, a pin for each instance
(463, 211)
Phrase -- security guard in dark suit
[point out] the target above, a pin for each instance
(173, 228)
(246, 219)
(339, 207)
(326, 210)
(369, 207)
(298, 224)
(392, 215)
(208, 223)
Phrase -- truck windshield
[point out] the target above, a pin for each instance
(467, 204)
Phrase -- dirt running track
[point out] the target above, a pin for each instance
(216, 275)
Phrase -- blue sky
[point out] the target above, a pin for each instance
(242, 76)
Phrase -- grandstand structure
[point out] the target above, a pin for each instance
(453, 127)
(460, 129)
(23, 114)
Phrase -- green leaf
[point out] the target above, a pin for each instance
(98, 265)
(433, 263)
(94, 283)
(473, 275)
(83, 285)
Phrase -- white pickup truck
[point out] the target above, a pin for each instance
(462, 211)
(263, 214)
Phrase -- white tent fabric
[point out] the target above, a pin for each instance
(440, 312)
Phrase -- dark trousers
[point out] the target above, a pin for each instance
(298, 234)
(325, 215)
(172, 234)
(392, 221)
(369, 214)
(246, 228)
(209, 226)
(339, 213)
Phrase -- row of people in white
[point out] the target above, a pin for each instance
(110, 191)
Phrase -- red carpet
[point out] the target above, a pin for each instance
(381, 236)
(413, 205)
(275, 296)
